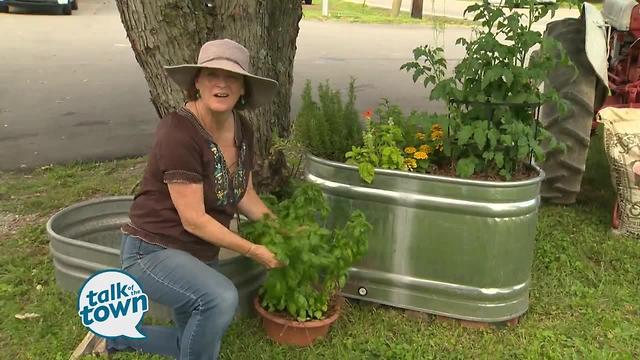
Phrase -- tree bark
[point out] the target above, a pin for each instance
(395, 8)
(170, 32)
(416, 9)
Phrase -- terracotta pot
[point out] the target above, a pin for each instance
(289, 332)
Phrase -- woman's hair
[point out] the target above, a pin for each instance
(192, 92)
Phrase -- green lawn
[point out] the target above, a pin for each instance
(584, 298)
(358, 13)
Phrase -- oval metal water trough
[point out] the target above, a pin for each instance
(448, 246)
(85, 238)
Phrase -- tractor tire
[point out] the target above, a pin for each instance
(564, 170)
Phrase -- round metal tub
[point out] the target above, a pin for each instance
(85, 238)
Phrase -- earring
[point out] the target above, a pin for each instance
(197, 93)
(242, 100)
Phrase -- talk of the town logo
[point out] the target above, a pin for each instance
(111, 304)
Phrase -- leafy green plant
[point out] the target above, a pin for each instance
(493, 95)
(329, 128)
(421, 135)
(316, 259)
(380, 149)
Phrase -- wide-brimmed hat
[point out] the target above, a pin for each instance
(228, 55)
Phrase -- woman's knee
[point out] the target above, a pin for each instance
(222, 298)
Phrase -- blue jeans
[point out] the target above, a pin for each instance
(203, 301)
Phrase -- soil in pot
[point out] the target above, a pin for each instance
(283, 329)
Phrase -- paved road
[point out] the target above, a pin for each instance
(70, 88)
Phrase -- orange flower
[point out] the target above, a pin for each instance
(409, 150)
(420, 136)
(425, 149)
(367, 114)
(420, 155)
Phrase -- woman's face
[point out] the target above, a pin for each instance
(219, 89)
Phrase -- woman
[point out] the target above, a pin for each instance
(198, 176)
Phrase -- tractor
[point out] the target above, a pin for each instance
(605, 50)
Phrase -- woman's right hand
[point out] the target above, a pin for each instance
(264, 256)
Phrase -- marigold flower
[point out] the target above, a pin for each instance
(436, 132)
(420, 136)
(425, 149)
(411, 164)
(420, 155)
(409, 150)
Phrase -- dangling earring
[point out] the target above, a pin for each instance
(242, 100)
(197, 93)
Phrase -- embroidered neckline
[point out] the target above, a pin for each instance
(230, 185)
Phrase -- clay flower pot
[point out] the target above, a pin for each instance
(290, 332)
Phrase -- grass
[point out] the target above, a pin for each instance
(358, 13)
(584, 296)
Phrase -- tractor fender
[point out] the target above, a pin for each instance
(617, 13)
(595, 42)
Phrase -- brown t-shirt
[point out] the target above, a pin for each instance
(185, 152)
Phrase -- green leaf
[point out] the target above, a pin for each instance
(490, 76)
(480, 136)
(506, 140)
(342, 281)
(488, 155)
(499, 160)
(366, 171)
(466, 167)
(465, 134)
(493, 136)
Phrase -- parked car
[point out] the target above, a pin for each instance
(65, 6)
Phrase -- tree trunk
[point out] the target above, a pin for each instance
(416, 9)
(395, 8)
(170, 32)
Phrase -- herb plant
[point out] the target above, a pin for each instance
(493, 93)
(316, 259)
(380, 149)
(329, 128)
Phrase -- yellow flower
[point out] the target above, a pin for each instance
(410, 150)
(420, 155)
(425, 149)
(411, 164)
(420, 136)
(436, 132)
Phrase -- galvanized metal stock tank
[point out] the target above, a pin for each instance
(86, 237)
(447, 246)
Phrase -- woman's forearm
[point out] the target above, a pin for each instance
(253, 207)
(210, 230)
